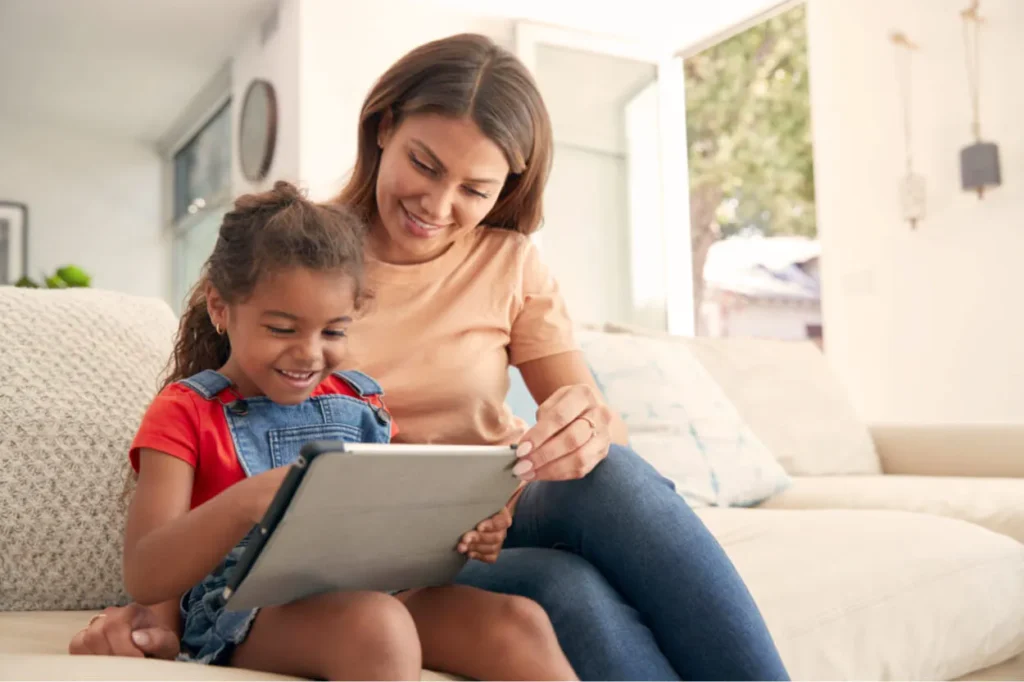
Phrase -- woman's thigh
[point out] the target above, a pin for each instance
(602, 636)
(629, 522)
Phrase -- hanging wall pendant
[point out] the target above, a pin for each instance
(979, 162)
(913, 190)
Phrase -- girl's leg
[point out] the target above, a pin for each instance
(602, 636)
(342, 636)
(628, 521)
(486, 636)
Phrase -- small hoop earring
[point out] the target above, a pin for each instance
(220, 332)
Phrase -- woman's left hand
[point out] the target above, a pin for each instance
(571, 436)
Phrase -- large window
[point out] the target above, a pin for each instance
(202, 167)
(201, 196)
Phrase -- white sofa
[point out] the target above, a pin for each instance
(911, 569)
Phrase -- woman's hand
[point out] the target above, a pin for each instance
(484, 543)
(571, 436)
(131, 630)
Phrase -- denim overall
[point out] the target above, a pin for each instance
(267, 435)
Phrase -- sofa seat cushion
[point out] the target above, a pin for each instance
(878, 595)
(64, 667)
(995, 503)
(34, 644)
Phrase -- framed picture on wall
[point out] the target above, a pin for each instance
(13, 241)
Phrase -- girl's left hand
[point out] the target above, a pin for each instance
(571, 436)
(484, 543)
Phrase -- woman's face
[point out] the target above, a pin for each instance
(439, 177)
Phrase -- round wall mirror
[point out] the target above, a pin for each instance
(257, 130)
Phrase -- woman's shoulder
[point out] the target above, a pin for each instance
(497, 243)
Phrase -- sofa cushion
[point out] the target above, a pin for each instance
(680, 421)
(78, 369)
(64, 667)
(878, 595)
(790, 398)
(995, 503)
(33, 646)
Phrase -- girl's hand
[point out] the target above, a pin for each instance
(131, 630)
(484, 543)
(570, 438)
(258, 492)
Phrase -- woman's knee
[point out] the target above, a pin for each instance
(520, 624)
(621, 480)
(624, 466)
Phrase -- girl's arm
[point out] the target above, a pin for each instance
(168, 548)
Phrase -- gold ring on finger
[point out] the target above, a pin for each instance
(593, 426)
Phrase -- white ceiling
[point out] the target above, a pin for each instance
(117, 67)
(130, 67)
(668, 24)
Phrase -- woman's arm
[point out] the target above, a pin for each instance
(168, 548)
(546, 375)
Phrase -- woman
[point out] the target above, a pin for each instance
(454, 151)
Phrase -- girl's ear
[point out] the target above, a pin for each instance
(216, 307)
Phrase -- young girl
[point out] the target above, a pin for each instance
(254, 377)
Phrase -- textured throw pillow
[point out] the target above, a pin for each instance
(77, 370)
(681, 421)
(788, 395)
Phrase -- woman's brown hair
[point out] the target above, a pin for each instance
(262, 234)
(463, 76)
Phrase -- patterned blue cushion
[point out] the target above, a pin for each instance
(681, 421)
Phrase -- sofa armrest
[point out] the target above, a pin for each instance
(993, 503)
(992, 451)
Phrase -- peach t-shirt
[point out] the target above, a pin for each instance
(439, 336)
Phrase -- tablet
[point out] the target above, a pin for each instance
(369, 516)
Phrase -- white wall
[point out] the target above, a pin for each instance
(93, 202)
(922, 326)
(273, 56)
(345, 46)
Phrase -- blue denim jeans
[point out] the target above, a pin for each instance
(635, 585)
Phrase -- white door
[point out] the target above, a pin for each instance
(617, 228)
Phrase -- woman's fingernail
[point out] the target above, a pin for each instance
(521, 467)
(140, 638)
(528, 476)
(524, 449)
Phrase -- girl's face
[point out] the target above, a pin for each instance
(438, 178)
(289, 335)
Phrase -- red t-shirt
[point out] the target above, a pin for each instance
(183, 424)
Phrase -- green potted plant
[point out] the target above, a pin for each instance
(66, 277)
